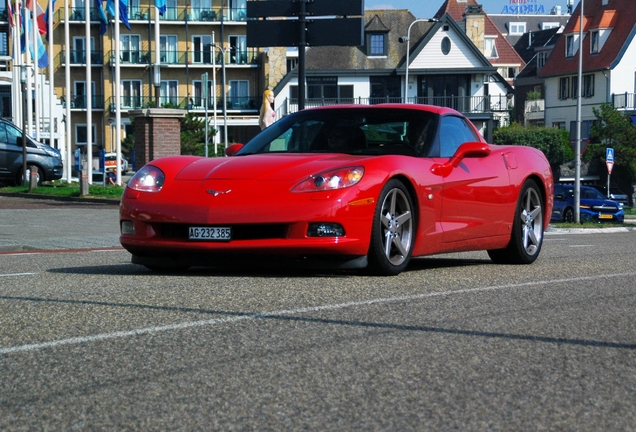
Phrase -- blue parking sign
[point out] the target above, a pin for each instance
(609, 155)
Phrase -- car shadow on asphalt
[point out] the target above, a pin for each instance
(129, 269)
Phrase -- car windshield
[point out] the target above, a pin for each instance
(369, 131)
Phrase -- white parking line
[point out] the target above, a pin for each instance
(16, 274)
(284, 312)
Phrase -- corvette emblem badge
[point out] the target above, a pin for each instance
(217, 193)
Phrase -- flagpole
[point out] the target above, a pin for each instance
(51, 85)
(117, 96)
(29, 101)
(88, 92)
(157, 69)
(67, 91)
(17, 65)
(36, 70)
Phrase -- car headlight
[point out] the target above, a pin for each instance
(147, 179)
(331, 180)
(52, 152)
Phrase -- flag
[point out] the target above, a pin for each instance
(102, 17)
(22, 34)
(123, 11)
(43, 57)
(40, 18)
(46, 18)
(10, 14)
(161, 5)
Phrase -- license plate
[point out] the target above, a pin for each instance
(210, 233)
(605, 216)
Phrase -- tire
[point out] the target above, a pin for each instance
(392, 232)
(568, 215)
(527, 229)
(40, 175)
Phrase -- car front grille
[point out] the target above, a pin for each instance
(605, 209)
(239, 232)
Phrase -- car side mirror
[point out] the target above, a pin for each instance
(19, 141)
(233, 149)
(466, 150)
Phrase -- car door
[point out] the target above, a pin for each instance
(477, 196)
(10, 151)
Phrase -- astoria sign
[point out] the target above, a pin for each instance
(523, 7)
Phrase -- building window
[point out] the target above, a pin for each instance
(490, 48)
(517, 28)
(81, 132)
(564, 88)
(385, 88)
(325, 89)
(239, 94)
(131, 94)
(541, 58)
(588, 85)
(376, 44)
(569, 46)
(169, 93)
(574, 93)
(549, 25)
(594, 45)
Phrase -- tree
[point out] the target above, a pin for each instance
(614, 129)
(552, 142)
(193, 135)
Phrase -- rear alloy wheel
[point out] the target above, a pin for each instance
(527, 229)
(393, 231)
(568, 215)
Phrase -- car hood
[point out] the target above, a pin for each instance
(598, 203)
(265, 167)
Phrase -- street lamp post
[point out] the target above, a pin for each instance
(223, 51)
(577, 162)
(407, 39)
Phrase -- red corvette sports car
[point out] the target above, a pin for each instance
(342, 187)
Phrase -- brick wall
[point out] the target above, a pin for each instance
(157, 133)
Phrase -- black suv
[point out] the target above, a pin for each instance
(46, 159)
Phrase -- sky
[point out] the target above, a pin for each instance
(428, 8)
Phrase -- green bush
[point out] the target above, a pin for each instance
(554, 143)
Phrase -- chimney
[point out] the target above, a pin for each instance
(475, 25)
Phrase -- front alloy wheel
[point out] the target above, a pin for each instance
(393, 231)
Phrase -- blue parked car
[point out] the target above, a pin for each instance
(593, 206)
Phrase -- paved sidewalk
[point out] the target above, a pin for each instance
(33, 224)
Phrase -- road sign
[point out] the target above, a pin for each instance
(609, 159)
(204, 84)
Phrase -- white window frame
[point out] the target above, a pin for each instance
(169, 92)
(517, 28)
(79, 126)
(168, 48)
(490, 47)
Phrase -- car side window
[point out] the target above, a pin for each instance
(3, 133)
(12, 134)
(454, 132)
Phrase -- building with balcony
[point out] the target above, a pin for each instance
(445, 68)
(609, 68)
(206, 38)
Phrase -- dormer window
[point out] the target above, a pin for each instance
(571, 45)
(376, 44)
(490, 48)
(516, 28)
(595, 46)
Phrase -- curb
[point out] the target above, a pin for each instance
(88, 200)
